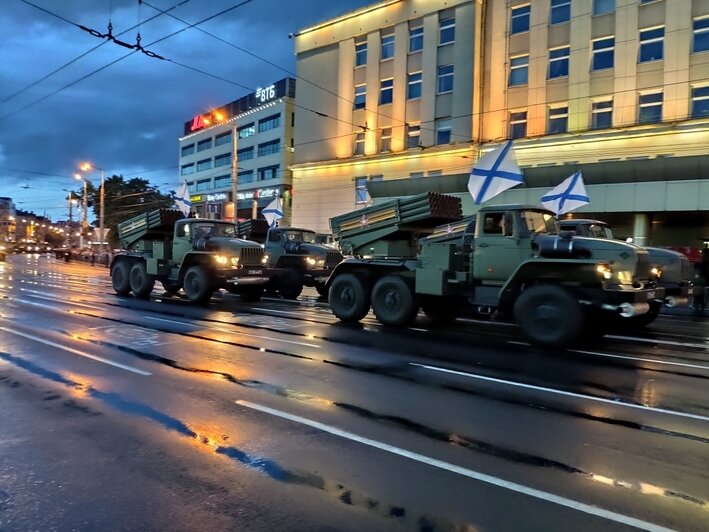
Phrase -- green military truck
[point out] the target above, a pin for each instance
(196, 255)
(296, 256)
(419, 253)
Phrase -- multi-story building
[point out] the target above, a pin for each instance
(618, 89)
(251, 137)
(7, 220)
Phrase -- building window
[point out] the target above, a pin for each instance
(361, 194)
(518, 124)
(269, 172)
(188, 150)
(700, 102)
(386, 91)
(415, 175)
(222, 181)
(385, 139)
(224, 138)
(650, 108)
(246, 131)
(445, 79)
(414, 85)
(268, 123)
(446, 32)
(191, 187)
(204, 164)
(244, 154)
(560, 11)
(204, 184)
(559, 62)
(601, 7)
(651, 44)
(603, 53)
(361, 52)
(222, 160)
(247, 176)
(519, 70)
(602, 115)
(204, 144)
(415, 39)
(519, 22)
(360, 96)
(187, 169)
(413, 135)
(387, 46)
(443, 131)
(359, 144)
(700, 29)
(269, 148)
(558, 120)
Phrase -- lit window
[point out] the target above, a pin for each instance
(700, 29)
(247, 176)
(269, 148)
(520, 19)
(244, 154)
(361, 194)
(558, 120)
(446, 33)
(518, 124)
(603, 53)
(222, 160)
(359, 144)
(387, 46)
(560, 11)
(651, 44)
(601, 7)
(700, 102)
(269, 172)
(268, 123)
(361, 53)
(204, 164)
(650, 108)
(386, 91)
(360, 96)
(445, 78)
(413, 135)
(187, 169)
(204, 144)
(519, 70)
(415, 39)
(188, 150)
(246, 131)
(602, 115)
(443, 131)
(224, 138)
(559, 62)
(385, 140)
(414, 85)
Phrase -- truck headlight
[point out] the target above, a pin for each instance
(656, 271)
(235, 261)
(220, 259)
(311, 261)
(264, 260)
(605, 271)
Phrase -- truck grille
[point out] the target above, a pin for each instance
(251, 257)
(642, 274)
(333, 259)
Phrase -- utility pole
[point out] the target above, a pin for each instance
(71, 219)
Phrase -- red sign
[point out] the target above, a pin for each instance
(197, 123)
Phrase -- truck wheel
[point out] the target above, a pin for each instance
(196, 285)
(171, 288)
(321, 289)
(290, 284)
(120, 277)
(140, 282)
(549, 316)
(251, 294)
(349, 300)
(393, 301)
(441, 310)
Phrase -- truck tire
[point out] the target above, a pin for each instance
(196, 285)
(120, 277)
(394, 302)
(549, 316)
(441, 310)
(252, 294)
(140, 282)
(171, 288)
(290, 284)
(348, 298)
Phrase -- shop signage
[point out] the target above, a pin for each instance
(198, 122)
(271, 192)
(196, 199)
(216, 197)
(268, 93)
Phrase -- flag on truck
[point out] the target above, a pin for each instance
(494, 173)
(182, 199)
(567, 196)
(273, 212)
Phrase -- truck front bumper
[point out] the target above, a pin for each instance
(247, 276)
(314, 277)
(677, 295)
(629, 302)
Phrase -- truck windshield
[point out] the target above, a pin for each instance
(599, 231)
(540, 222)
(212, 229)
(299, 236)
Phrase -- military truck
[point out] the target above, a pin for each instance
(293, 252)
(510, 260)
(671, 269)
(196, 255)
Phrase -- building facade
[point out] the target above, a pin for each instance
(250, 138)
(8, 227)
(618, 89)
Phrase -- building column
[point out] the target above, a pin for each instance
(641, 229)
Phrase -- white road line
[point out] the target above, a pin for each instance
(233, 332)
(32, 293)
(476, 475)
(562, 392)
(663, 362)
(417, 329)
(77, 352)
(663, 342)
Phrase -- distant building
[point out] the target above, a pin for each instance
(7, 220)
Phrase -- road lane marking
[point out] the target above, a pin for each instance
(250, 335)
(626, 357)
(447, 466)
(663, 342)
(562, 392)
(77, 352)
(33, 293)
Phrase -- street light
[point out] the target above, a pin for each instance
(86, 167)
(85, 221)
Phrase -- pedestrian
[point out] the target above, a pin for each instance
(93, 258)
(700, 288)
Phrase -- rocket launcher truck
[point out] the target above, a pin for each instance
(510, 260)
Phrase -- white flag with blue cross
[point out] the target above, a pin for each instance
(567, 196)
(182, 199)
(273, 212)
(494, 173)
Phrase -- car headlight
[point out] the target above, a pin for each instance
(220, 259)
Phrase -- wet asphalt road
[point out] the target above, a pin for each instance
(121, 414)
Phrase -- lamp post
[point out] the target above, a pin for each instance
(86, 167)
(85, 221)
